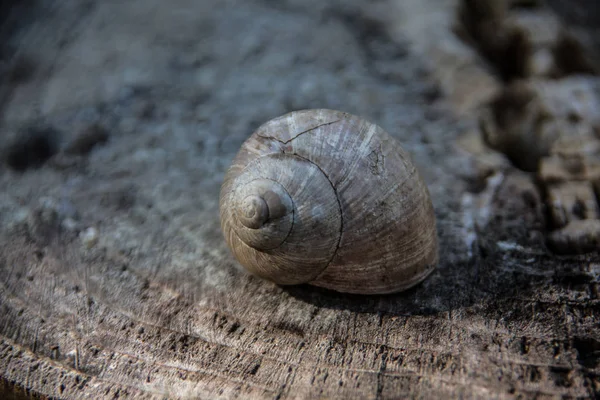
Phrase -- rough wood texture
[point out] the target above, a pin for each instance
(115, 281)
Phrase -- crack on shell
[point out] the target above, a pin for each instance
(299, 134)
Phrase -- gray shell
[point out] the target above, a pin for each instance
(327, 198)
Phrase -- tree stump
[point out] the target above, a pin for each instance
(115, 281)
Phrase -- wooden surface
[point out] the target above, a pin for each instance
(115, 281)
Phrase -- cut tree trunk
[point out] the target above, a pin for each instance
(115, 281)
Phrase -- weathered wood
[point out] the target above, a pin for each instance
(115, 281)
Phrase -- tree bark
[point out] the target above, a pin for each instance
(115, 281)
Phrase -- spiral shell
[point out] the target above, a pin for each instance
(327, 198)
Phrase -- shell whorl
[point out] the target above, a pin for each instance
(263, 213)
(282, 226)
(255, 210)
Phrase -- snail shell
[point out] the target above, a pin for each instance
(327, 198)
